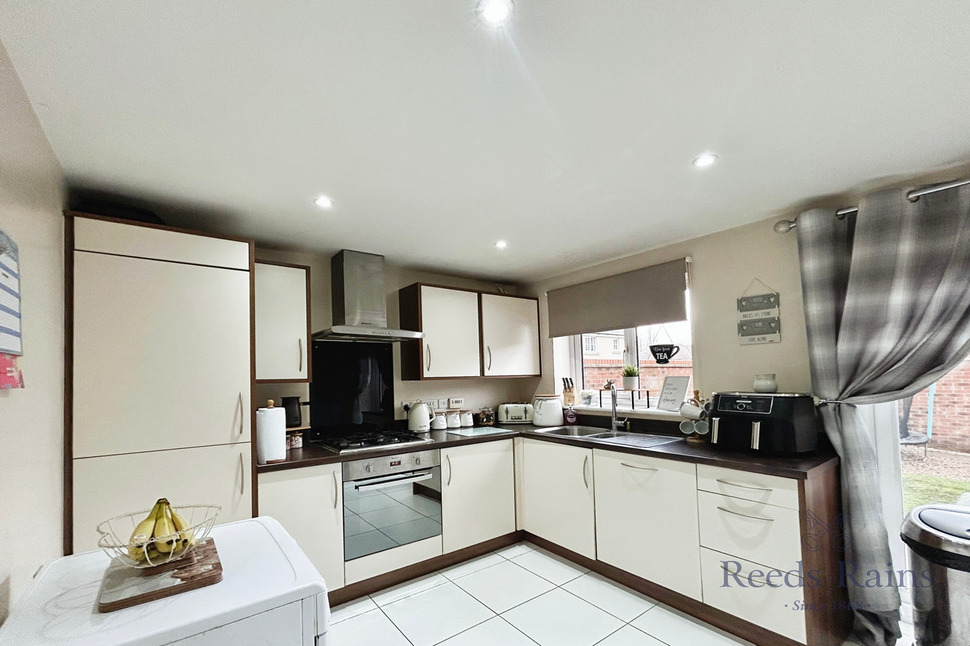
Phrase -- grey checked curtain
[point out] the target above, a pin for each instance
(887, 307)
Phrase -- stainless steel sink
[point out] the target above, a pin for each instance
(571, 431)
(641, 440)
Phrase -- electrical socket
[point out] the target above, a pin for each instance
(456, 402)
(442, 404)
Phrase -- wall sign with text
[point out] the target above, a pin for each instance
(759, 319)
(11, 343)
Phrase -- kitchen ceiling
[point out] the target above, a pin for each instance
(570, 133)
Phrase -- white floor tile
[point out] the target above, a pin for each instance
(351, 609)
(436, 614)
(494, 632)
(369, 629)
(549, 566)
(408, 588)
(504, 586)
(515, 550)
(558, 618)
(474, 565)
(619, 601)
(677, 629)
(630, 636)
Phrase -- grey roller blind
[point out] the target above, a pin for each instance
(645, 296)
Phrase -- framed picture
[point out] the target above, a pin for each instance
(673, 392)
(10, 330)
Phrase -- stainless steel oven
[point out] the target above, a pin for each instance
(391, 501)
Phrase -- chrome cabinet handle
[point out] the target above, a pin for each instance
(633, 466)
(585, 480)
(728, 511)
(242, 475)
(334, 474)
(743, 486)
(428, 348)
(241, 413)
(489, 349)
(299, 343)
(450, 470)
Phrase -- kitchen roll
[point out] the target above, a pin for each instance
(270, 435)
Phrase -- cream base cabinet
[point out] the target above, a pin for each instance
(510, 336)
(451, 346)
(318, 528)
(477, 493)
(557, 495)
(111, 485)
(646, 519)
(282, 322)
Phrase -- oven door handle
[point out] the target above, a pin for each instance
(391, 482)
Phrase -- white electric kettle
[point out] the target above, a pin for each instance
(419, 417)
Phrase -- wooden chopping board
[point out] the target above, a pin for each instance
(124, 586)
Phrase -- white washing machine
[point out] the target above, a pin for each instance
(270, 594)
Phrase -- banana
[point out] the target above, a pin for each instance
(165, 533)
(186, 536)
(143, 533)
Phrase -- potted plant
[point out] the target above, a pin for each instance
(631, 375)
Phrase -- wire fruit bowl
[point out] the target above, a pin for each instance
(116, 535)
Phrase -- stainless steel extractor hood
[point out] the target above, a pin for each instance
(359, 301)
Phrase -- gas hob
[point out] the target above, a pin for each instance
(362, 442)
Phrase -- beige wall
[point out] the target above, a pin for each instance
(476, 392)
(31, 426)
(724, 265)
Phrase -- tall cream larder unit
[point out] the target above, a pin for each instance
(159, 372)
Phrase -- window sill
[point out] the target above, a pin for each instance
(649, 413)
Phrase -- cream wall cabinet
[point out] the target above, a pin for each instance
(510, 336)
(160, 352)
(557, 495)
(646, 519)
(477, 493)
(282, 322)
(449, 319)
(318, 528)
(111, 485)
(468, 334)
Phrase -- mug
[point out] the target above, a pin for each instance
(665, 352)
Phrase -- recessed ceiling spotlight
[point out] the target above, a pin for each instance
(323, 202)
(704, 160)
(501, 244)
(495, 13)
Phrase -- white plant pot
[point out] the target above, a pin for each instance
(631, 383)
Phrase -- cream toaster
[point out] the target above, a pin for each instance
(515, 414)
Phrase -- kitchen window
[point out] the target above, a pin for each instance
(630, 346)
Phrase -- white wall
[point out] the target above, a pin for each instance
(31, 420)
(725, 264)
(476, 392)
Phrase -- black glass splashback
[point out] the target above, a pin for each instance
(352, 389)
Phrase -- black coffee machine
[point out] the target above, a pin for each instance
(776, 423)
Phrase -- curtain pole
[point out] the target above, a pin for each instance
(784, 226)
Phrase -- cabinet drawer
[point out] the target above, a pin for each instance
(751, 530)
(758, 487)
(755, 593)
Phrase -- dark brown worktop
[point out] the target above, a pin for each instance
(680, 450)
